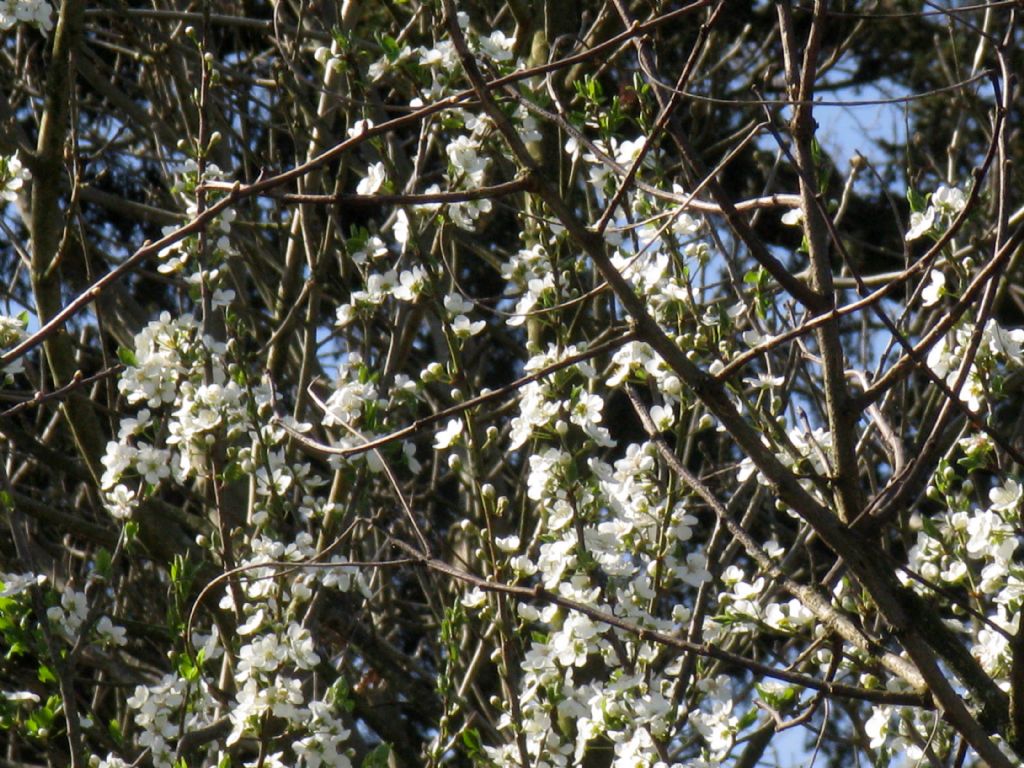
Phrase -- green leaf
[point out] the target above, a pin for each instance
(343, 39)
(188, 669)
(40, 721)
(755, 276)
(390, 46)
(917, 201)
(776, 699)
(17, 649)
(127, 356)
(822, 172)
(974, 461)
(378, 757)
(928, 526)
(339, 695)
(233, 472)
(817, 155)
(748, 719)
(103, 562)
(471, 740)
(46, 675)
(114, 730)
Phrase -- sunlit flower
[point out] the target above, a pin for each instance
(877, 726)
(794, 217)
(935, 289)
(921, 224)
(375, 177)
(1006, 496)
(463, 327)
(764, 381)
(447, 437)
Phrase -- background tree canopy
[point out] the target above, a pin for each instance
(524, 383)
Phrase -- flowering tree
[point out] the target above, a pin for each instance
(510, 384)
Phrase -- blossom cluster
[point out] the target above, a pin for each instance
(975, 545)
(453, 379)
(177, 255)
(193, 415)
(944, 205)
(13, 176)
(999, 354)
(12, 331)
(36, 13)
(186, 416)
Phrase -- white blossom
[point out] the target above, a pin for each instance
(447, 437)
(877, 726)
(375, 177)
(935, 289)
(36, 13)
(12, 584)
(14, 175)
(1007, 496)
(921, 224)
(794, 217)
